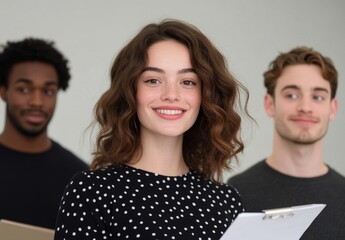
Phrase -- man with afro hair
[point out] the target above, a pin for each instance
(34, 169)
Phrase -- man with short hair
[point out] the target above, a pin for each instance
(34, 169)
(301, 87)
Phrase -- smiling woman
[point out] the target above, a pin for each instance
(169, 89)
(168, 127)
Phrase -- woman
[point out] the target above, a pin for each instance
(168, 128)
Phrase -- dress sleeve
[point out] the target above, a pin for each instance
(79, 215)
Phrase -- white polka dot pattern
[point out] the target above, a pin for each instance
(128, 203)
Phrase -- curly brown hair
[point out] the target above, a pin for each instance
(214, 139)
(300, 55)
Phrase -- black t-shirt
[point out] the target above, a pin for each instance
(32, 184)
(129, 203)
(262, 187)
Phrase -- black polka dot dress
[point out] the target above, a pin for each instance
(129, 203)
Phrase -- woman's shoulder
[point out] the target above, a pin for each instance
(227, 196)
(215, 187)
(97, 177)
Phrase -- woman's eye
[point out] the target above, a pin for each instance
(152, 81)
(188, 82)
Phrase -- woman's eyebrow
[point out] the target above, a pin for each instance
(155, 69)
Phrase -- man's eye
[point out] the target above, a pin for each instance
(50, 92)
(292, 96)
(24, 90)
(318, 98)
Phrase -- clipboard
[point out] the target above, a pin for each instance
(282, 223)
(11, 230)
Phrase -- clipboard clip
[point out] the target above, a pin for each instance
(277, 213)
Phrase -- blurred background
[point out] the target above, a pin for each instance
(250, 34)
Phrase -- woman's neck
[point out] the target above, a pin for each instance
(161, 155)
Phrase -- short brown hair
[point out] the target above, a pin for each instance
(296, 56)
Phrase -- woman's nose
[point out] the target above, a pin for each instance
(171, 92)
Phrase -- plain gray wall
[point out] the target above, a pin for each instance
(249, 33)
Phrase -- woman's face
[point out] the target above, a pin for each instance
(168, 91)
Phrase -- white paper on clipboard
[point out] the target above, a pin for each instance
(283, 223)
